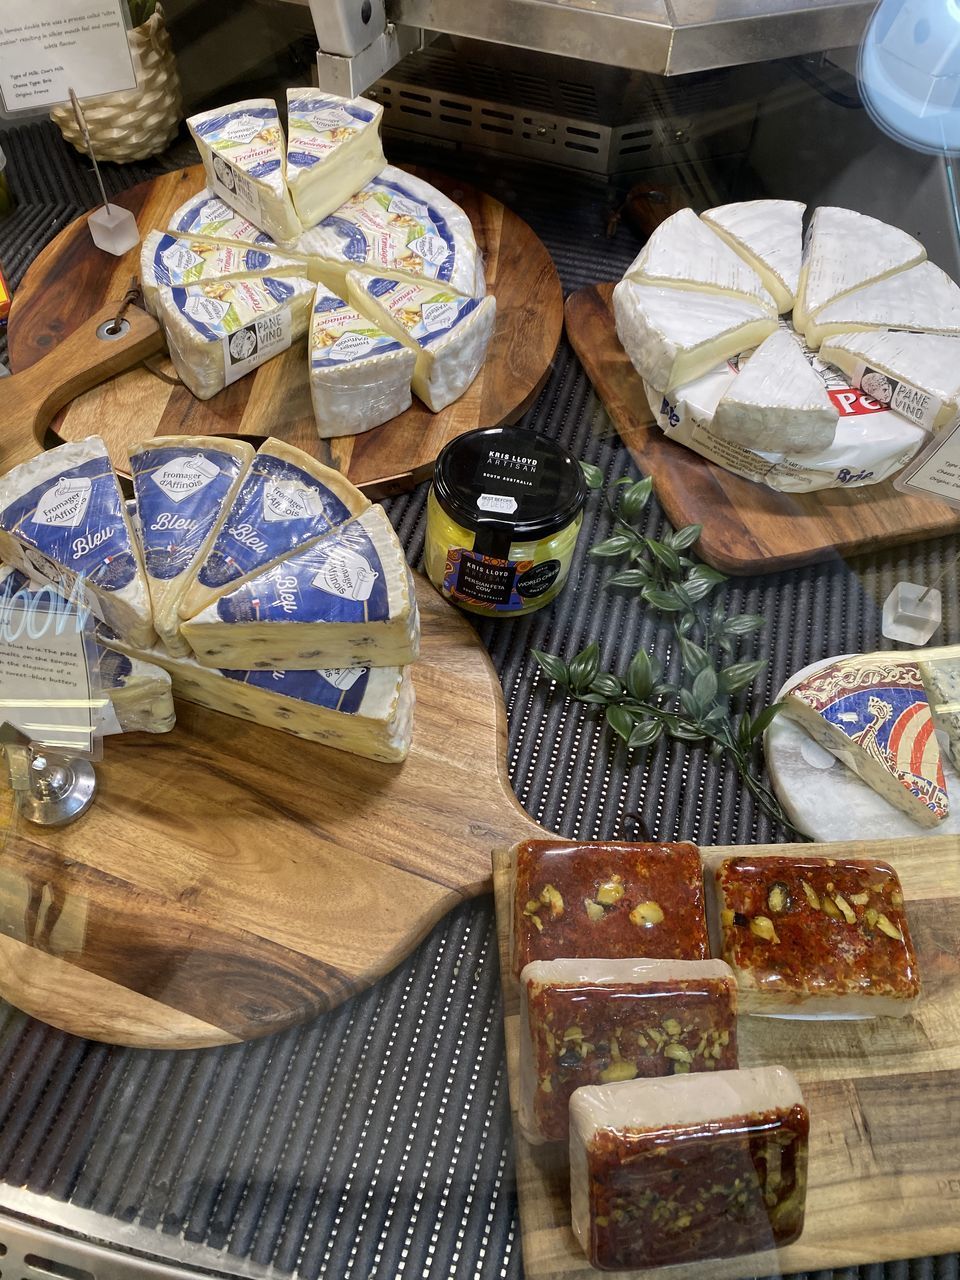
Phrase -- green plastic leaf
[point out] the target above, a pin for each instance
(593, 475)
(584, 668)
(686, 624)
(740, 675)
(634, 578)
(644, 733)
(640, 678)
(555, 667)
(688, 733)
(682, 596)
(715, 717)
(695, 659)
(616, 545)
(685, 537)
(697, 589)
(744, 624)
(764, 719)
(706, 573)
(666, 555)
(691, 704)
(594, 699)
(607, 684)
(634, 499)
(620, 721)
(706, 687)
(660, 599)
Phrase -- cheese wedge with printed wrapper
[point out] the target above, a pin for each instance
(333, 149)
(206, 215)
(286, 501)
(176, 261)
(182, 485)
(63, 519)
(875, 717)
(916, 374)
(346, 599)
(768, 234)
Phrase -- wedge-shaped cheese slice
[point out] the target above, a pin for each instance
(222, 329)
(916, 374)
(242, 150)
(449, 333)
(778, 403)
(674, 336)
(923, 299)
(176, 261)
(685, 253)
(346, 600)
(333, 149)
(359, 375)
(206, 215)
(397, 226)
(367, 711)
(182, 485)
(844, 251)
(767, 234)
(941, 680)
(287, 500)
(63, 518)
(875, 718)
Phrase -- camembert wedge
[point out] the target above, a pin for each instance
(916, 374)
(176, 261)
(206, 215)
(333, 149)
(768, 234)
(923, 300)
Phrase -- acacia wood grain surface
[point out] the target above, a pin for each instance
(747, 527)
(883, 1096)
(71, 279)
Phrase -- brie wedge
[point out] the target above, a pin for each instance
(778, 403)
(767, 234)
(206, 215)
(916, 374)
(176, 261)
(333, 149)
(923, 299)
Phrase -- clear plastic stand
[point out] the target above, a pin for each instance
(112, 228)
(911, 613)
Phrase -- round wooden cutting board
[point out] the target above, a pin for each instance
(71, 279)
(231, 880)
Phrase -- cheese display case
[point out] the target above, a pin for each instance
(261, 1013)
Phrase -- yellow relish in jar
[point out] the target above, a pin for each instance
(503, 516)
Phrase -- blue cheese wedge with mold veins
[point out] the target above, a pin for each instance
(344, 601)
(450, 334)
(206, 215)
(64, 519)
(941, 680)
(397, 226)
(183, 487)
(176, 261)
(243, 153)
(333, 149)
(287, 500)
(220, 330)
(359, 375)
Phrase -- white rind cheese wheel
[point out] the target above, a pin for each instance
(768, 234)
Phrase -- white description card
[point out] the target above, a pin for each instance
(935, 472)
(48, 47)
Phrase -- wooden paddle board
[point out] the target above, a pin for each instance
(71, 279)
(747, 528)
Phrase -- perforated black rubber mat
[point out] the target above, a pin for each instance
(375, 1141)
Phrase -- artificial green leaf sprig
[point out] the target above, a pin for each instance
(640, 705)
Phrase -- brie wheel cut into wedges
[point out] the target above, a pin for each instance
(916, 374)
(346, 599)
(333, 149)
(768, 234)
(287, 500)
(923, 299)
(242, 150)
(685, 253)
(206, 215)
(176, 261)
(182, 485)
(778, 402)
(846, 250)
(674, 335)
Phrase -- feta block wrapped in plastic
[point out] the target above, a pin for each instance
(599, 1021)
(615, 901)
(689, 1167)
(815, 935)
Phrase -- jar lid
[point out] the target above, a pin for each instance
(511, 479)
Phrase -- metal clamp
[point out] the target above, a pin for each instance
(53, 789)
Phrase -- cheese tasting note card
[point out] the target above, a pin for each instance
(48, 47)
(935, 472)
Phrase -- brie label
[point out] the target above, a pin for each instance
(207, 310)
(403, 205)
(179, 258)
(350, 346)
(438, 315)
(242, 129)
(431, 248)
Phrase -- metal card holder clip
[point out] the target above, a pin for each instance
(52, 789)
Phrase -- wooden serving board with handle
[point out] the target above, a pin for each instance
(883, 1096)
(71, 279)
(747, 528)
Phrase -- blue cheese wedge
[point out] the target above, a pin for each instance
(778, 403)
(941, 680)
(397, 226)
(182, 485)
(916, 374)
(685, 253)
(875, 718)
(450, 334)
(286, 501)
(359, 375)
(344, 601)
(64, 519)
(176, 261)
(923, 300)
(243, 154)
(767, 234)
(333, 149)
(673, 336)
(206, 215)
(221, 330)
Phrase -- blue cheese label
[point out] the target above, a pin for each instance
(340, 690)
(212, 217)
(913, 403)
(340, 334)
(76, 522)
(279, 508)
(427, 313)
(339, 579)
(179, 496)
(384, 226)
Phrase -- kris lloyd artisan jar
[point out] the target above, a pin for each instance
(503, 516)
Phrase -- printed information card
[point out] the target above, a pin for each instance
(48, 47)
(935, 472)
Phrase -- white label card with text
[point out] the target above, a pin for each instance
(935, 472)
(48, 47)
